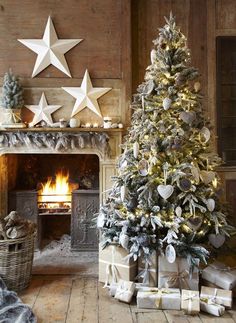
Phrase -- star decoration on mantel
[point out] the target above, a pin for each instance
(86, 95)
(42, 111)
(50, 49)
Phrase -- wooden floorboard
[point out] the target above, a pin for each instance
(74, 299)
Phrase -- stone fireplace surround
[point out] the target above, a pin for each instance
(104, 144)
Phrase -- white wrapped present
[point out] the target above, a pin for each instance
(125, 291)
(220, 275)
(206, 305)
(113, 287)
(147, 270)
(190, 301)
(218, 296)
(159, 298)
(177, 274)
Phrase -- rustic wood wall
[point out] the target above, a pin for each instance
(105, 51)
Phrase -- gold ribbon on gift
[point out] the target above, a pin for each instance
(158, 293)
(209, 301)
(190, 300)
(214, 296)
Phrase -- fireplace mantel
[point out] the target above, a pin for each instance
(105, 143)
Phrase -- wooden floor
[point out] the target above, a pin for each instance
(74, 299)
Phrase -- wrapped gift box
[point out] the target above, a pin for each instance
(176, 275)
(125, 291)
(211, 308)
(220, 275)
(113, 287)
(209, 284)
(190, 301)
(159, 298)
(147, 272)
(113, 266)
(218, 296)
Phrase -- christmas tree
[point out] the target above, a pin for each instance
(165, 196)
(12, 92)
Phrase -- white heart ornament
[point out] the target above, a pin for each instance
(166, 103)
(135, 149)
(216, 240)
(207, 177)
(170, 254)
(187, 117)
(165, 191)
(210, 204)
(123, 192)
(178, 211)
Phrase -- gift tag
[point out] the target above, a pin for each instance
(170, 254)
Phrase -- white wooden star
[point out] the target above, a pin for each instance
(42, 111)
(50, 49)
(86, 95)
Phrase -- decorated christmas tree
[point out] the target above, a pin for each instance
(165, 196)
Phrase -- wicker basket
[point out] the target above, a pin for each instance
(16, 258)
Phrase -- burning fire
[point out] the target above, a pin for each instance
(56, 194)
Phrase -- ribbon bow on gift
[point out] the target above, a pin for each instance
(158, 293)
(190, 299)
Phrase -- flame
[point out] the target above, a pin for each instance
(54, 194)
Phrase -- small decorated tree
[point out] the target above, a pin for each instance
(12, 98)
(165, 196)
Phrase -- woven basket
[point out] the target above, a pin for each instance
(16, 259)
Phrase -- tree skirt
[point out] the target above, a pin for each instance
(12, 309)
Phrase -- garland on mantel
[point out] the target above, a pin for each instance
(56, 141)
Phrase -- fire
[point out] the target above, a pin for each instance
(56, 194)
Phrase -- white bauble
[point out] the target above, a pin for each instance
(100, 221)
(178, 211)
(205, 132)
(135, 149)
(170, 254)
(216, 240)
(153, 56)
(124, 240)
(165, 191)
(210, 204)
(123, 192)
(166, 103)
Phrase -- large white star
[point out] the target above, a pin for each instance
(42, 111)
(50, 49)
(86, 95)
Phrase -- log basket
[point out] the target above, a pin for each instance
(16, 259)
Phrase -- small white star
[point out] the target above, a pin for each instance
(50, 49)
(42, 111)
(86, 95)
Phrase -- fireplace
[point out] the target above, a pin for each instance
(29, 157)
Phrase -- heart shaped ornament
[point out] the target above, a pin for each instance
(206, 134)
(194, 222)
(207, 176)
(165, 191)
(123, 192)
(178, 211)
(216, 240)
(166, 103)
(135, 149)
(170, 254)
(187, 117)
(210, 204)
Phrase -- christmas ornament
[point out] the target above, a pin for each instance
(170, 254)
(210, 204)
(194, 222)
(216, 240)
(86, 95)
(143, 167)
(195, 173)
(124, 240)
(205, 134)
(207, 176)
(185, 184)
(42, 111)
(50, 49)
(149, 87)
(165, 191)
(187, 117)
(135, 149)
(132, 203)
(100, 221)
(178, 211)
(123, 192)
(153, 55)
(166, 103)
(197, 86)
